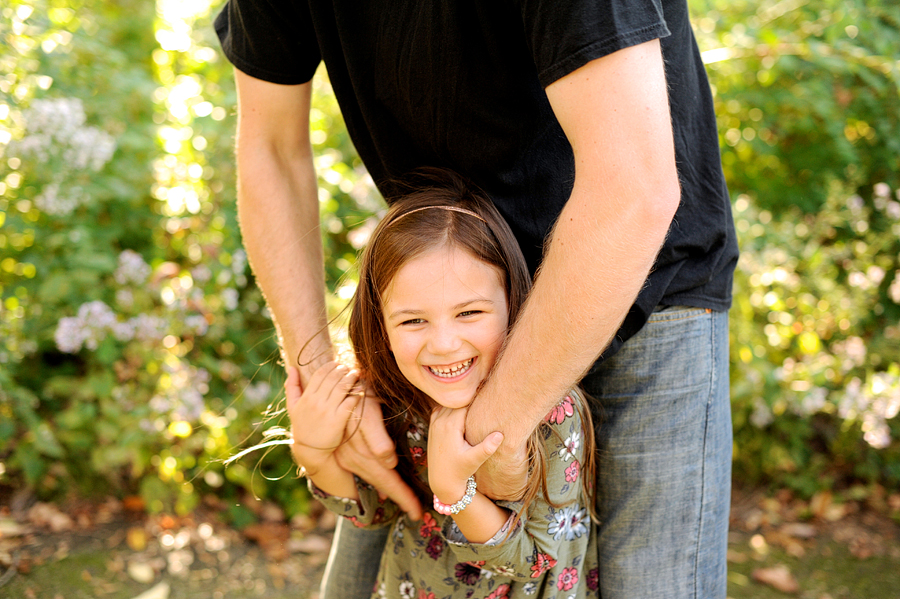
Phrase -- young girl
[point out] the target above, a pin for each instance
(441, 283)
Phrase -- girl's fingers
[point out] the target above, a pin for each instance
(489, 446)
(319, 376)
(338, 384)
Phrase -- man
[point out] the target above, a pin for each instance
(590, 125)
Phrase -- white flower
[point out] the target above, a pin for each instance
(238, 261)
(230, 298)
(148, 327)
(762, 414)
(570, 522)
(530, 588)
(50, 202)
(69, 335)
(407, 590)
(132, 269)
(257, 393)
(196, 324)
(572, 444)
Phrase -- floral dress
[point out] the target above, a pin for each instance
(551, 554)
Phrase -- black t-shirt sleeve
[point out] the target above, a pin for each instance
(272, 40)
(564, 35)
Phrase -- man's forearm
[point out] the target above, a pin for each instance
(278, 211)
(601, 250)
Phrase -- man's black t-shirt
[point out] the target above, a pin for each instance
(461, 85)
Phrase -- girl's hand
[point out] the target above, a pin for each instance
(319, 413)
(451, 460)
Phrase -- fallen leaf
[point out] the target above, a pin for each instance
(309, 544)
(798, 530)
(136, 538)
(820, 503)
(47, 515)
(790, 544)
(271, 512)
(777, 577)
(271, 537)
(133, 503)
(11, 528)
(141, 572)
(160, 591)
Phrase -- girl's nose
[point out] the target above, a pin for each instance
(445, 339)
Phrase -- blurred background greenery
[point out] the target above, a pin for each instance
(136, 354)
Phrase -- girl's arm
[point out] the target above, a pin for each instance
(451, 461)
(547, 539)
(319, 415)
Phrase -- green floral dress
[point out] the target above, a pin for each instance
(551, 554)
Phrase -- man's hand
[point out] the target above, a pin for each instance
(505, 474)
(369, 453)
(615, 113)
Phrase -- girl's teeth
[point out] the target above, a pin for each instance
(451, 372)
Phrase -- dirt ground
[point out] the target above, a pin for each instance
(826, 548)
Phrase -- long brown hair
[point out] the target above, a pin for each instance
(436, 208)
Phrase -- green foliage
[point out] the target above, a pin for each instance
(806, 94)
(135, 352)
(816, 343)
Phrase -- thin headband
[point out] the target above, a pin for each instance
(450, 208)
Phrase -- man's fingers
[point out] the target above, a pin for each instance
(503, 478)
(391, 485)
(374, 433)
(386, 480)
(293, 380)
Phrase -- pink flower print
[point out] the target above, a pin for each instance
(567, 579)
(501, 592)
(418, 456)
(542, 563)
(356, 522)
(593, 579)
(429, 526)
(423, 594)
(435, 547)
(563, 410)
(572, 471)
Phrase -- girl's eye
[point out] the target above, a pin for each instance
(412, 321)
(470, 313)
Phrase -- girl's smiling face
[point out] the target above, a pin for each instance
(446, 317)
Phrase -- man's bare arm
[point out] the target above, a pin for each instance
(278, 210)
(615, 113)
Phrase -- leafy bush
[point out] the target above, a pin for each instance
(136, 352)
(816, 343)
(806, 96)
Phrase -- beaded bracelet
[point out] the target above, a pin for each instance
(448, 510)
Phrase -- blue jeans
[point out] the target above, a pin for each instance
(663, 426)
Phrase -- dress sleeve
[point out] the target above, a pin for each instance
(567, 34)
(535, 545)
(370, 511)
(272, 40)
